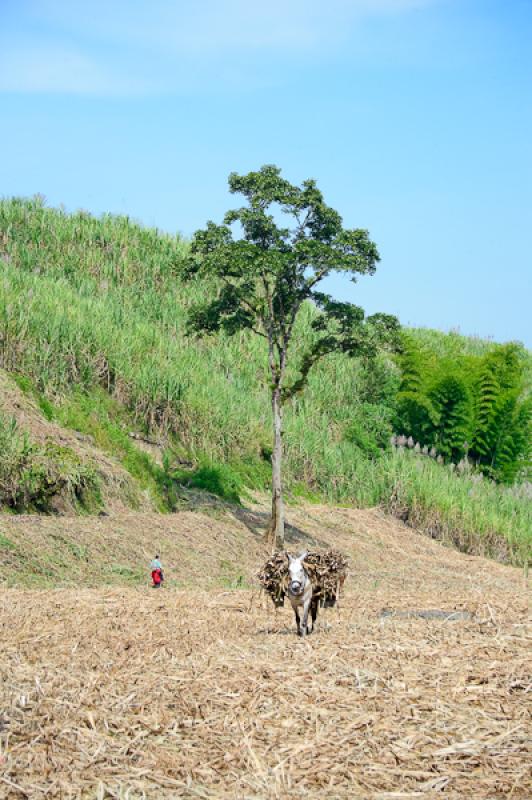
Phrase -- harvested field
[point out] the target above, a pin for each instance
(128, 692)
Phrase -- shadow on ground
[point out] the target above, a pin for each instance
(257, 521)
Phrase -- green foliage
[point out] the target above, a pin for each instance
(450, 345)
(503, 442)
(378, 382)
(451, 400)
(31, 475)
(474, 514)
(101, 417)
(415, 412)
(371, 429)
(16, 451)
(220, 480)
(413, 362)
(265, 275)
(506, 362)
(502, 432)
(487, 397)
(416, 416)
(88, 303)
(231, 482)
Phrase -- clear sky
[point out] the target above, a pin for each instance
(414, 116)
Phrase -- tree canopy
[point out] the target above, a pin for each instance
(269, 270)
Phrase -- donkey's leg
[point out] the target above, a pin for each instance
(314, 611)
(304, 621)
(298, 623)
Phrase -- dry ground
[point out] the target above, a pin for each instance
(130, 692)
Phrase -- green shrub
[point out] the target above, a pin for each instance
(231, 482)
(31, 476)
(371, 429)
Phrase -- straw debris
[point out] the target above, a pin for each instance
(133, 694)
(127, 693)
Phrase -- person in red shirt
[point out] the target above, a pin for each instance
(157, 573)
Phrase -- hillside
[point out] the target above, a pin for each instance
(120, 690)
(92, 328)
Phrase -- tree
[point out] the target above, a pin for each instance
(501, 441)
(264, 272)
(415, 412)
(451, 399)
(511, 426)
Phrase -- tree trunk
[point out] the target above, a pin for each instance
(276, 529)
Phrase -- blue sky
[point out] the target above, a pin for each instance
(414, 116)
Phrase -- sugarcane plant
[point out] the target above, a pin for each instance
(264, 263)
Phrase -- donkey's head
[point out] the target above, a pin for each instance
(297, 576)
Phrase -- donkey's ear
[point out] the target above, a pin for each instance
(303, 555)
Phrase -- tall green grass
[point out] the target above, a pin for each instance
(472, 513)
(89, 304)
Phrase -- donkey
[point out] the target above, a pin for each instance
(300, 592)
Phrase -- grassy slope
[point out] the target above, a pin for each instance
(90, 304)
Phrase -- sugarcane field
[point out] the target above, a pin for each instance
(415, 683)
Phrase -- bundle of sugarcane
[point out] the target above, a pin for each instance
(273, 576)
(327, 570)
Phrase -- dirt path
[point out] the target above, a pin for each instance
(210, 694)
